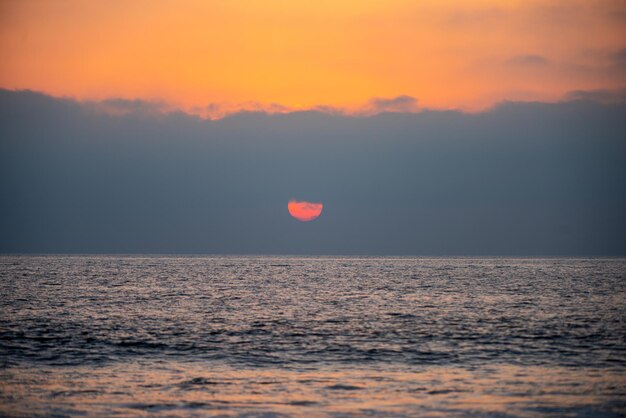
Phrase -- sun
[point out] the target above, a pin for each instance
(304, 211)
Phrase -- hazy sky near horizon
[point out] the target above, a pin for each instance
(216, 57)
(520, 179)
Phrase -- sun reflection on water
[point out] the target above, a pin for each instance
(178, 388)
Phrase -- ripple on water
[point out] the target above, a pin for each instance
(129, 322)
(155, 388)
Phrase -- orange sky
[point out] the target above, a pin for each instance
(302, 54)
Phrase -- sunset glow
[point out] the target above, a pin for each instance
(471, 160)
(213, 58)
(304, 211)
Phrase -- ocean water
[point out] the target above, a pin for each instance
(312, 336)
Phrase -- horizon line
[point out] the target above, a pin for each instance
(305, 255)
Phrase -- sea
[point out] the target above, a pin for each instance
(87, 335)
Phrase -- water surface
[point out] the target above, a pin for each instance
(105, 335)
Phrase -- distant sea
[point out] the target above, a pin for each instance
(312, 336)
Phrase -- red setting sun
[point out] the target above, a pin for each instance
(304, 211)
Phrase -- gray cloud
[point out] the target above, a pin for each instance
(619, 58)
(220, 110)
(600, 96)
(528, 60)
(507, 181)
(617, 15)
(120, 106)
(399, 104)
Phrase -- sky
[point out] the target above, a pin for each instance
(473, 127)
(212, 58)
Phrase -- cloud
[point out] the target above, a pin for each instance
(619, 58)
(215, 111)
(528, 60)
(221, 110)
(600, 96)
(330, 110)
(506, 181)
(120, 106)
(617, 15)
(399, 104)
